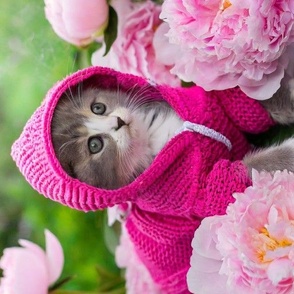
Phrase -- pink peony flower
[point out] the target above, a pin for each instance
(133, 51)
(138, 279)
(251, 248)
(77, 21)
(29, 269)
(228, 43)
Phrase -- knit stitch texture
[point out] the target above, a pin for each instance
(193, 177)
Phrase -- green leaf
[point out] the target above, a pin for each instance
(275, 134)
(110, 32)
(110, 282)
(60, 283)
(187, 84)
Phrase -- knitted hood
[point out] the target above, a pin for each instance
(175, 176)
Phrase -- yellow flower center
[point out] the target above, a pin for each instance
(269, 243)
(225, 4)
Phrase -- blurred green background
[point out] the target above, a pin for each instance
(32, 59)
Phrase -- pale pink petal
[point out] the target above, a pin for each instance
(77, 21)
(204, 242)
(268, 85)
(55, 257)
(86, 20)
(36, 249)
(165, 52)
(24, 272)
(206, 283)
(279, 270)
(207, 265)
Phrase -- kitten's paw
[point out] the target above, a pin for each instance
(278, 157)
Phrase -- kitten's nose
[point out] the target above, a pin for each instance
(120, 123)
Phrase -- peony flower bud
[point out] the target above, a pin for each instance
(77, 22)
(30, 269)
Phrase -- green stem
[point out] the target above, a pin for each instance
(83, 59)
(60, 283)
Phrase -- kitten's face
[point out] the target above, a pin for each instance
(100, 137)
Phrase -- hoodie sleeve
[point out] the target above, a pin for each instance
(247, 113)
(224, 179)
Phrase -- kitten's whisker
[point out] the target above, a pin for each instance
(130, 97)
(72, 98)
(64, 146)
(80, 88)
(131, 90)
(69, 131)
(61, 134)
(141, 97)
(134, 102)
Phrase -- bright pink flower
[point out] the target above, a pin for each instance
(138, 279)
(228, 43)
(133, 51)
(251, 248)
(77, 21)
(28, 269)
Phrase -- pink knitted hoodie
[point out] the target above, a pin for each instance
(194, 175)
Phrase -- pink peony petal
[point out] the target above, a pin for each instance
(36, 249)
(164, 51)
(204, 242)
(55, 257)
(279, 270)
(24, 272)
(28, 269)
(207, 283)
(77, 21)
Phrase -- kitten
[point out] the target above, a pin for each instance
(107, 138)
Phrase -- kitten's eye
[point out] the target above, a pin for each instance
(98, 108)
(95, 144)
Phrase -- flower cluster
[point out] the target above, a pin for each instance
(251, 248)
(217, 44)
